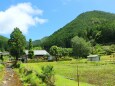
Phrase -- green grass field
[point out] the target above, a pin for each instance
(90, 73)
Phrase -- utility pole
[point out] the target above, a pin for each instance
(77, 75)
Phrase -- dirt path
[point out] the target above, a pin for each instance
(11, 78)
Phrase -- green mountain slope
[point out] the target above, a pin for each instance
(98, 26)
(39, 42)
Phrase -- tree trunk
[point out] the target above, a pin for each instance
(56, 58)
(15, 63)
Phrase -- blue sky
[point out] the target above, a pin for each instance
(40, 18)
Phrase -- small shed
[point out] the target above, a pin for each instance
(93, 58)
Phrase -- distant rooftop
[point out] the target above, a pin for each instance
(38, 52)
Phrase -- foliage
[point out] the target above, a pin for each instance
(34, 78)
(54, 50)
(47, 75)
(67, 51)
(81, 48)
(30, 77)
(17, 65)
(103, 50)
(112, 47)
(31, 54)
(98, 49)
(107, 50)
(1, 67)
(58, 52)
(37, 48)
(30, 44)
(16, 43)
(1, 57)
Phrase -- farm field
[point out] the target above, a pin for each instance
(90, 73)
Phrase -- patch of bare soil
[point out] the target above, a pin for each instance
(11, 78)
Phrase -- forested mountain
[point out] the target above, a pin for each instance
(3, 43)
(95, 26)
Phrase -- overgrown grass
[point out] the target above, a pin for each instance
(59, 78)
(90, 73)
(1, 72)
(62, 81)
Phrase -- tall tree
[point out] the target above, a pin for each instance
(30, 53)
(30, 44)
(16, 43)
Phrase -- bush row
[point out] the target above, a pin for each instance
(33, 78)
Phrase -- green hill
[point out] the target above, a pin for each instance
(98, 26)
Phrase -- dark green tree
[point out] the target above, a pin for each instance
(66, 52)
(31, 52)
(16, 43)
(81, 48)
(30, 44)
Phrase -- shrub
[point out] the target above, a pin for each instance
(1, 67)
(112, 47)
(31, 54)
(107, 50)
(35, 81)
(30, 77)
(47, 75)
(16, 64)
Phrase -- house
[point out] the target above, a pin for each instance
(38, 53)
(93, 58)
(4, 53)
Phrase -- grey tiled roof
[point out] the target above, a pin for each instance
(38, 52)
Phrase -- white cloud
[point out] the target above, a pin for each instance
(22, 15)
